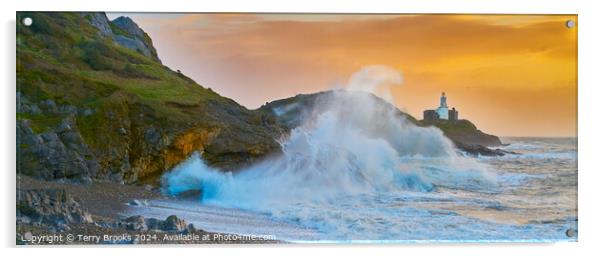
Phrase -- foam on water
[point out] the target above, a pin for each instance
(358, 170)
(354, 143)
(543, 148)
(224, 220)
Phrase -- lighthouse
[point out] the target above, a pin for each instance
(431, 116)
(442, 110)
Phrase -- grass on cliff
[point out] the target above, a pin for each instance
(63, 58)
(40, 123)
(459, 126)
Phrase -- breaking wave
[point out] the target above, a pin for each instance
(354, 144)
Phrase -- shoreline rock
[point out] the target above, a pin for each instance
(43, 205)
(480, 150)
(53, 207)
(171, 224)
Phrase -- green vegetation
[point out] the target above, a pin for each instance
(118, 31)
(136, 116)
(62, 57)
(460, 126)
(41, 123)
(463, 132)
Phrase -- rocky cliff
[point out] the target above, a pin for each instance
(467, 137)
(465, 132)
(93, 106)
(124, 32)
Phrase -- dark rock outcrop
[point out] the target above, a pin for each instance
(123, 31)
(134, 37)
(99, 21)
(53, 207)
(56, 153)
(480, 150)
(135, 223)
(171, 224)
(466, 133)
(174, 224)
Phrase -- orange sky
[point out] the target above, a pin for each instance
(512, 75)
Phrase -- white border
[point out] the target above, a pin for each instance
(363, 6)
(589, 23)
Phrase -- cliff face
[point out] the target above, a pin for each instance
(127, 34)
(466, 133)
(91, 105)
(124, 32)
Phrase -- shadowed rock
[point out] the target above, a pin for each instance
(170, 224)
(53, 207)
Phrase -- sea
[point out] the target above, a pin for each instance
(533, 199)
(355, 171)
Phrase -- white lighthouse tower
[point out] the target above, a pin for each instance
(442, 110)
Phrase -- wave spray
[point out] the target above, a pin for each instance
(353, 144)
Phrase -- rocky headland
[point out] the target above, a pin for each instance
(469, 139)
(292, 112)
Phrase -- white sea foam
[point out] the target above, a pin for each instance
(332, 157)
(352, 150)
(354, 143)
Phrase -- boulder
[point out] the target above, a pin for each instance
(52, 207)
(154, 224)
(174, 224)
(170, 224)
(136, 223)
